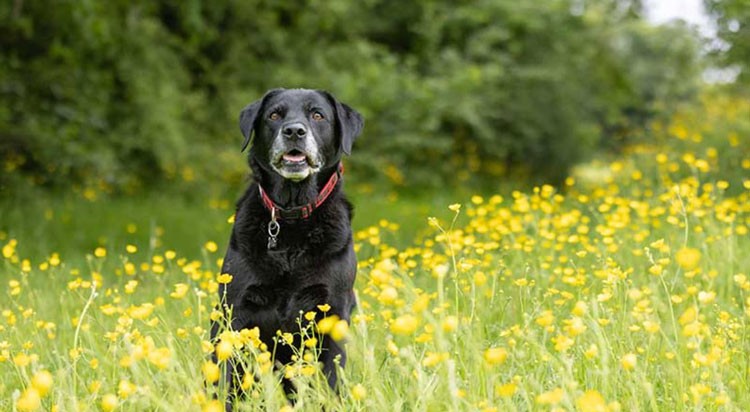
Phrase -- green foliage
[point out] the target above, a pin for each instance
(91, 90)
(732, 19)
(115, 95)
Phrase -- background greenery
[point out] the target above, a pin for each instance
(622, 287)
(118, 96)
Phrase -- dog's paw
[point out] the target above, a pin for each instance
(307, 299)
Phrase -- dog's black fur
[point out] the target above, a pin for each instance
(314, 261)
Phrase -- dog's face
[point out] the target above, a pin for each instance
(299, 132)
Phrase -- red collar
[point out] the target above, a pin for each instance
(301, 212)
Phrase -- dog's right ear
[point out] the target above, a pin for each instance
(248, 116)
(247, 121)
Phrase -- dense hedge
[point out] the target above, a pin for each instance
(121, 94)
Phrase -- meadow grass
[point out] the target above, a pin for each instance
(625, 292)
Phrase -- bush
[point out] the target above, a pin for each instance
(119, 95)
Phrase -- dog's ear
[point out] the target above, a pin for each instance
(248, 116)
(348, 122)
(247, 121)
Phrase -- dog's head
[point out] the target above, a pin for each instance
(298, 132)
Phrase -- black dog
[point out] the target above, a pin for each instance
(291, 245)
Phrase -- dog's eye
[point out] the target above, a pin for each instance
(317, 116)
(274, 116)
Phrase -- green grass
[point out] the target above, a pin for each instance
(629, 291)
(46, 223)
(562, 288)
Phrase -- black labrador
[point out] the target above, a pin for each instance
(291, 246)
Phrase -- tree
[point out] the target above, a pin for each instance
(732, 19)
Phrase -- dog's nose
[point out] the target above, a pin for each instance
(294, 130)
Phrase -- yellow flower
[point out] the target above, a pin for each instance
(180, 290)
(388, 296)
(131, 248)
(591, 401)
(324, 308)
(580, 308)
(495, 356)
(629, 361)
(651, 327)
(224, 350)
(552, 397)
(94, 386)
(247, 381)
(688, 258)
(575, 326)
(210, 371)
(690, 315)
(506, 390)
(432, 359)
(125, 388)
(706, 297)
(30, 400)
(42, 382)
(450, 323)
(131, 286)
(9, 250)
(100, 252)
(22, 360)
(224, 278)
(308, 370)
(109, 402)
(562, 343)
(54, 260)
(359, 392)
(340, 330)
(722, 398)
(141, 312)
(404, 325)
(213, 406)
(326, 324)
(455, 207)
(545, 319)
(211, 246)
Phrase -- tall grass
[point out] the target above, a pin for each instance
(627, 292)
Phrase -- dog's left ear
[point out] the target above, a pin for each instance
(249, 114)
(348, 122)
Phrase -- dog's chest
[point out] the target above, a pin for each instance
(297, 246)
(287, 261)
(295, 250)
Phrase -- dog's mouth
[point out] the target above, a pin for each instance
(295, 164)
(295, 157)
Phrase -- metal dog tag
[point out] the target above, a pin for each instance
(273, 230)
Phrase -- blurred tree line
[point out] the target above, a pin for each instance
(732, 19)
(124, 94)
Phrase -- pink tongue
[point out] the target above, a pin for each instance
(294, 157)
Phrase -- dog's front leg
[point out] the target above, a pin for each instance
(332, 356)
